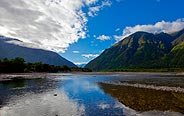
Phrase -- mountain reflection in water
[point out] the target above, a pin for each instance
(142, 99)
(85, 95)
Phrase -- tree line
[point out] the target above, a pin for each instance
(19, 65)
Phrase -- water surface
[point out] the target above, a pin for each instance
(91, 95)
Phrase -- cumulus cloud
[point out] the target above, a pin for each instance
(163, 26)
(90, 56)
(46, 24)
(103, 37)
(93, 10)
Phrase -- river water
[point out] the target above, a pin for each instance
(92, 95)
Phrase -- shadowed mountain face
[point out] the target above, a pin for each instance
(179, 37)
(31, 55)
(142, 50)
(141, 99)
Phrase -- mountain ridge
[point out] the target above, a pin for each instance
(141, 50)
(10, 51)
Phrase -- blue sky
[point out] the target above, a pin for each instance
(112, 20)
(80, 30)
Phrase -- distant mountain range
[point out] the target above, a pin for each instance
(10, 51)
(81, 65)
(143, 50)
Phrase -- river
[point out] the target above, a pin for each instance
(94, 95)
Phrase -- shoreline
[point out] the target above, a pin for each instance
(129, 73)
(27, 76)
(145, 86)
(19, 76)
(11, 76)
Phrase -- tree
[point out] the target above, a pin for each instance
(37, 67)
(66, 68)
(17, 65)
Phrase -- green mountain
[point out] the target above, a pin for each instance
(143, 50)
(178, 37)
(176, 56)
(10, 51)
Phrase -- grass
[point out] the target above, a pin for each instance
(145, 70)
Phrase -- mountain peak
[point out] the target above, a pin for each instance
(139, 50)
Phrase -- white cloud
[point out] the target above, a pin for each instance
(118, 38)
(103, 37)
(93, 10)
(90, 56)
(75, 52)
(101, 51)
(118, 29)
(158, 27)
(80, 63)
(46, 24)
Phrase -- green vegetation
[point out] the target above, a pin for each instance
(143, 51)
(145, 70)
(31, 55)
(18, 65)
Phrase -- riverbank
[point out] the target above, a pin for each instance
(11, 76)
(129, 73)
(16, 76)
(154, 87)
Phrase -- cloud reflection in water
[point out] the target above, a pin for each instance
(55, 103)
